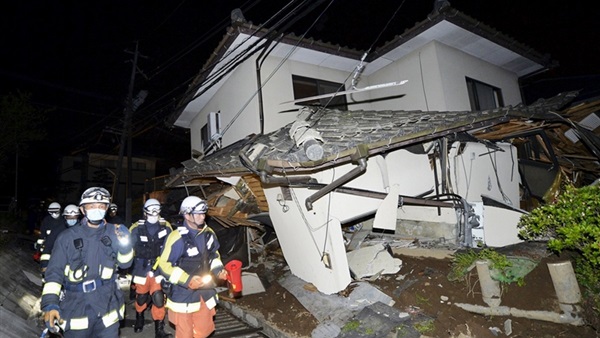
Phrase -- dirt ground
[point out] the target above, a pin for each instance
(420, 288)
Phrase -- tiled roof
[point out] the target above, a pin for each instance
(348, 134)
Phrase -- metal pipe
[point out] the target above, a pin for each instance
(403, 200)
(548, 316)
(361, 168)
(284, 181)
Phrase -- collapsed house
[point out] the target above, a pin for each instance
(466, 177)
(433, 144)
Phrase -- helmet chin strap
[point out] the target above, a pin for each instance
(95, 222)
(196, 225)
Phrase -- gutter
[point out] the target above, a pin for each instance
(262, 174)
(361, 155)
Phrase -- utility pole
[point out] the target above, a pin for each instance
(16, 198)
(126, 138)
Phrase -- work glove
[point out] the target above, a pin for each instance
(124, 239)
(52, 317)
(223, 274)
(195, 283)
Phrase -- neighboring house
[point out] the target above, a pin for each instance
(405, 156)
(94, 169)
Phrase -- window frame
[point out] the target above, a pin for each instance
(475, 97)
(304, 86)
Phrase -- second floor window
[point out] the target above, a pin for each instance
(307, 87)
(205, 137)
(483, 96)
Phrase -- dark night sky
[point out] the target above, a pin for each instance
(75, 56)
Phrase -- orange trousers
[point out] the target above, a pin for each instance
(151, 286)
(198, 324)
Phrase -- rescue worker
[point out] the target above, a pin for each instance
(148, 237)
(81, 294)
(71, 214)
(52, 225)
(190, 261)
(112, 217)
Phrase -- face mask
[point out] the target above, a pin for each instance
(152, 219)
(71, 222)
(54, 215)
(95, 215)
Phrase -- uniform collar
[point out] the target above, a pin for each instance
(84, 222)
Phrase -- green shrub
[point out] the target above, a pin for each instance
(502, 268)
(425, 326)
(571, 223)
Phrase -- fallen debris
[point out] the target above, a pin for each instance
(372, 260)
(508, 327)
(529, 314)
(252, 284)
(334, 308)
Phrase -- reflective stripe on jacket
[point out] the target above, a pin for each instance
(87, 257)
(148, 240)
(183, 299)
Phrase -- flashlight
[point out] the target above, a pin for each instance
(207, 281)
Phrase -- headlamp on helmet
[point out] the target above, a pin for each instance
(193, 205)
(95, 195)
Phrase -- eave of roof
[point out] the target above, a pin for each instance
(472, 41)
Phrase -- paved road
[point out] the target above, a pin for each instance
(127, 325)
(226, 325)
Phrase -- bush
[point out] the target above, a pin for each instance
(571, 223)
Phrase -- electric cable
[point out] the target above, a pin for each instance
(226, 128)
(197, 43)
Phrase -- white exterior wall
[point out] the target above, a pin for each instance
(500, 226)
(241, 87)
(298, 225)
(456, 65)
(230, 99)
(304, 235)
(422, 72)
(479, 170)
(436, 77)
(279, 88)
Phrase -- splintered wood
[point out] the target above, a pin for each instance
(572, 154)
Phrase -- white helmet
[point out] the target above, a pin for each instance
(54, 207)
(152, 207)
(113, 207)
(95, 195)
(193, 205)
(71, 210)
